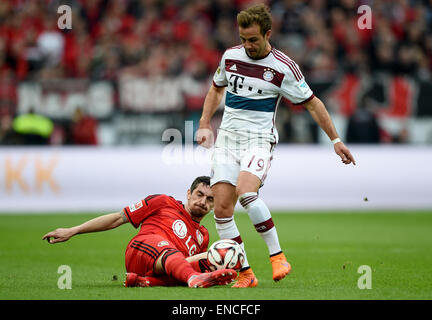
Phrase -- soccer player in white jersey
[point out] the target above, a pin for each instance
(255, 76)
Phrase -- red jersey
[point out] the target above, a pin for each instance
(163, 215)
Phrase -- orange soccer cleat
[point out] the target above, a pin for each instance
(215, 278)
(246, 279)
(280, 266)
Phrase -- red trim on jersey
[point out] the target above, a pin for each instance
(254, 71)
(308, 99)
(283, 58)
(291, 64)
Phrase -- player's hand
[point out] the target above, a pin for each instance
(58, 235)
(204, 136)
(343, 152)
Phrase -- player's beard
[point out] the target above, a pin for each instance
(198, 212)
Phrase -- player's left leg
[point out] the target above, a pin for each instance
(160, 279)
(179, 271)
(248, 185)
(153, 254)
(169, 269)
(157, 280)
(225, 200)
(175, 265)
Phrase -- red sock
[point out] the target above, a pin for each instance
(196, 266)
(201, 265)
(176, 266)
(164, 281)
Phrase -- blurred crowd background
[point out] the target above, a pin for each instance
(128, 70)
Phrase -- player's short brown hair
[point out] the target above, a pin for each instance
(259, 14)
(202, 179)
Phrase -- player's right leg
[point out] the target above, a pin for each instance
(224, 203)
(225, 171)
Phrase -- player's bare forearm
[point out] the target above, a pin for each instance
(319, 113)
(200, 262)
(102, 223)
(199, 256)
(204, 135)
(211, 103)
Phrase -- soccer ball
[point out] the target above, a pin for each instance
(226, 254)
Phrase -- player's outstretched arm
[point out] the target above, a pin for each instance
(102, 223)
(319, 113)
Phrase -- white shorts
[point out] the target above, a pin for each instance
(235, 152)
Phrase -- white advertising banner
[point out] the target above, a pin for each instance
(101, 179)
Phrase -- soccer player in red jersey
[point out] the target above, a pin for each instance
(170, 247)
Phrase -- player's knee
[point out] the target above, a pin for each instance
(244, 187)
(240, 191)
(223, 211)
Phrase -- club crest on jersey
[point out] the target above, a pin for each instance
(135, 206)
(268, 75)
(180, 229)
(200, 237)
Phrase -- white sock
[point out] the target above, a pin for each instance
(261, 218)
(227, 229)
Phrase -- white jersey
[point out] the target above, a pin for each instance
(255, 88)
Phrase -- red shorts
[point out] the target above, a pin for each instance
(143, 251)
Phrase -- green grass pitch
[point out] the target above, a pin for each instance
(325, 249)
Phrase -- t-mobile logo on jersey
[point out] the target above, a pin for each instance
(235, 83)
